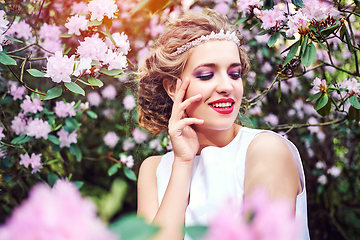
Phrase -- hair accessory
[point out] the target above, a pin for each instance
(230, 36)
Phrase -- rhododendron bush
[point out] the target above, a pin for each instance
(68, 89)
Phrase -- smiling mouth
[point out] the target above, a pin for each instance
(223, 105)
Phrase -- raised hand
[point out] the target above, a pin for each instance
(183, 137)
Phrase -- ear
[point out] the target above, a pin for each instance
(170, 87)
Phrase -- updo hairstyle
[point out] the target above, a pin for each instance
(154, 104)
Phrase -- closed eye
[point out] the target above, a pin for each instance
(206, 76)
(235, 75)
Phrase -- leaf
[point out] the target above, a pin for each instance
(264, 32)
(354, 114)
(6, 177)
(66, 35)
(54, 139)
(322, 44)
(272, 40)
(314, 97)
(113, 169)
(245, 120)
(36, 73)
(91, 114)
(327, 31)
(78, 184)
(112, 72)
(51, 162)
(132, 227)
(304, 44)
(150, 5)
(354, 101)
(196, 232)
(13, 39)
(21, 139)
(95, 82)
(321, 102)
(52, 178)
(241, 20)
(5, 100)
(94, 23)
(6, 60)
(298, 3)
(348, 41)
(292, 52)
(130, 174)
(74, 149)
(309, 55)
(94, 63)
(53, 93)
(325, 110)
(268, 4)
(71, 124)
(342, 32)
(75, 88)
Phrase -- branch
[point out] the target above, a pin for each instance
(253, 101)
(340, 69)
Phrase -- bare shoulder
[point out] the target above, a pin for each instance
(271, 164)
(150, 164)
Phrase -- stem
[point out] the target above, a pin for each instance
(37, 19)
(354, 43)
(340, 69)
(21, 49)
(263, 94)
(351, 12)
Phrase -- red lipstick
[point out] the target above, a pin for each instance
(223, 110)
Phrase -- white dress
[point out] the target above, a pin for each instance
(215, 179)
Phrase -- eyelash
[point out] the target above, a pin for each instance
(207, 76)
(235, 75)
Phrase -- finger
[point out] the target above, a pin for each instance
(178, 111)
(180, 125)
(181, 86)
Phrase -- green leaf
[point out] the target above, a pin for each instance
(112, 72)
(94, 23)
(52, 178)
(354, 101)
(342, 32)
(304, 44)
(272, 40)
(286, 37)
(21, 139)
(71, 124)
(113, 169)
(51, 162)
(314, 97)
(309, 55)
(75, 88)
(94, 63)
(95, 82)
(78, 184)
(91, 114)
(325, 110)
(321, 102)
(6, 60)
(132, 227)
(268, 4)
(13, 39)
(327, 31)
(321, 44)
(354, 114)
(6, 177)
(264, 32)
(130, 174)
(74, 149)
(7, 162)
(54, 139)
(245, 120)
(298, 3)
(348, 41)
(196, 232)
(241, 20)
(66, 35)
(292, 52)
(36, 73)
(6, 100)
(357, 2)
(53, 93)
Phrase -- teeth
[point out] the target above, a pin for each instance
(222, 105)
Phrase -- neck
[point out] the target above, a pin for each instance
(218, 138)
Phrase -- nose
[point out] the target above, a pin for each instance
(224, 84)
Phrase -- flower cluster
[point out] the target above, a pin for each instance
(66, 138)
(63, 109)
(57, 213)
(34, 161)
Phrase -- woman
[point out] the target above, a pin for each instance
(191, 86)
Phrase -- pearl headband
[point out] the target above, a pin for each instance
(229, 36)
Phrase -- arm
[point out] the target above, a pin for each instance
(170, 216)
(270, 164)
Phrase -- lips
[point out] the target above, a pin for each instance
(223, 105)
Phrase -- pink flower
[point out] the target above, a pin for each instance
(83, 65)
(351, 84)
(94, 99)
(1, 133)
(17, 92)
(101, 8)
(111, 139)
(222, 7)
(92, 47)
(66, 138)
(50, 32)
(155, 144)
(121, 41)
(3, 22)
(272, 119)
(129, 102)
(2, 153)
(34, 160)
(116, 60)
(128, 144)
(155, 27)
(57, 213)
(319, 10)
(79, 7)
(64, 110)
(313, 121)
(319, 84)
(109, 92)
(139, 136)
(129, 161)
(21, 30)
(244, 5)
(38, 128)
(31, 106)
(297, 22)
(320, 165)
(75, 24)
(334, 170)
(322, 180)
(51, 45)
(18, 124)
(60, 67)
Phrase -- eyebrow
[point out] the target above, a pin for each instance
(212, 65)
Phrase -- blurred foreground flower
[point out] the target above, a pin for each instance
(262, 219)
(59, 213)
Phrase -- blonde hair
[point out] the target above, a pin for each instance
(154, 104)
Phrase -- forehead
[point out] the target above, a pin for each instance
(218, 52)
